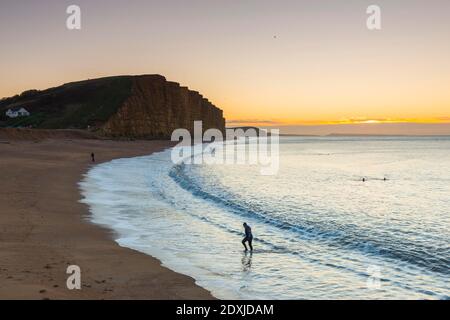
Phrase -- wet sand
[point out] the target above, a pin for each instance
(44, 228)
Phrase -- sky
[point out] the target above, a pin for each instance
(269, 63)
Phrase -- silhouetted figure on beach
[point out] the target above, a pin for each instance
(363, 179)
(93, 157)
(248, 237)
(384, 179)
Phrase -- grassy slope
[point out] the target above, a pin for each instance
(73, 105)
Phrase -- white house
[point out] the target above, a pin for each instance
(17, 112)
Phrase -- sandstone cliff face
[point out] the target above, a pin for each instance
(156, 107)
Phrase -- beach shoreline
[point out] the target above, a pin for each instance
(44, 227)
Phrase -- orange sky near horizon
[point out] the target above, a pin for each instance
(262, 62)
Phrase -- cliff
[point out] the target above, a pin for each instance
(156, 107)
(146, 106)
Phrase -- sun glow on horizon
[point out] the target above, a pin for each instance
(254, 122)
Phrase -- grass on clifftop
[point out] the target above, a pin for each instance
(75, 105)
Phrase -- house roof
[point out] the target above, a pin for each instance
(17, 109)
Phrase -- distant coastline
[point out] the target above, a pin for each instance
(339, 134)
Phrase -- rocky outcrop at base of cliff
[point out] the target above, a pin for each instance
(156, 107)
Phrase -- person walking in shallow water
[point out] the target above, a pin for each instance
(93, 157)
(248, 237)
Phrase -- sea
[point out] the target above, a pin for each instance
(342, 218)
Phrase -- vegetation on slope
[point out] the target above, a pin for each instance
(74, 105)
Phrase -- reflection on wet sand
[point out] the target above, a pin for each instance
(247, 261)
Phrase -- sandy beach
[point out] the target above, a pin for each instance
(44, 228)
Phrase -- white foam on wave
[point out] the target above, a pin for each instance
(126, 196)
